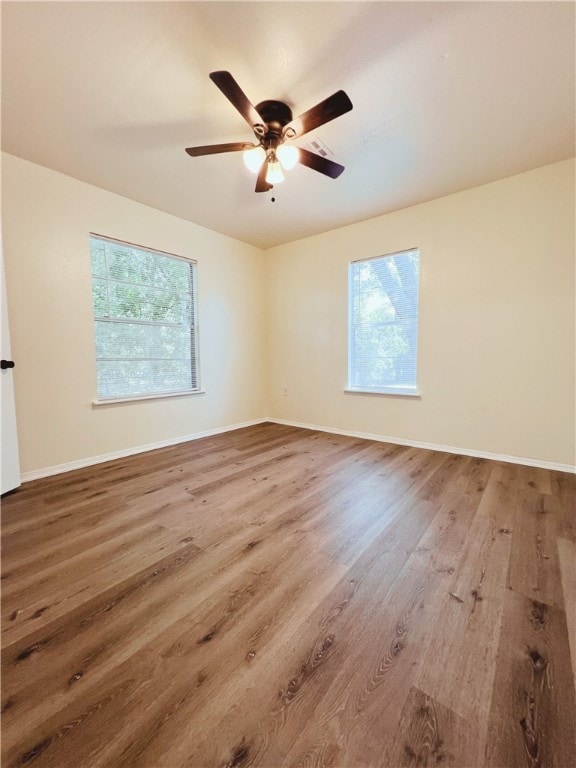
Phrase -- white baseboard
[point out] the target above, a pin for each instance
(91, 460)
(529, 462)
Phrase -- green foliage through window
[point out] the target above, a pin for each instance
(144, 320)
(383, 322)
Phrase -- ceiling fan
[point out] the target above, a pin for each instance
(273, 125)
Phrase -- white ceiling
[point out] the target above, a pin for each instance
(446, 96)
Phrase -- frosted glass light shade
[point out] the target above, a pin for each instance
(274, 173)
(253, 158)
(288, 156)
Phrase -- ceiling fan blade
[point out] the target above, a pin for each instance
(329, 109)
(319, 163)
(214, 149)
(237, 97)
(261, 183)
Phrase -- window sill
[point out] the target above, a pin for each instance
(397, 391)
(137, 398)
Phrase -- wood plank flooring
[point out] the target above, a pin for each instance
(280, 597)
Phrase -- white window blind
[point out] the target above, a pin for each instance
(144, 320)
(383, 323)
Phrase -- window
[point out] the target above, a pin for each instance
(383, 324)
(144, 321)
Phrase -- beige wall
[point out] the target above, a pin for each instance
(46, 220)
(497, 341)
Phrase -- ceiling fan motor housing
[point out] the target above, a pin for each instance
(276, 115)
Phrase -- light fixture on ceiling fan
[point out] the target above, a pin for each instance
(273, 125)
(283, 158)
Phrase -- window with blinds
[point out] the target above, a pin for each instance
(383, 324)
(145, 325)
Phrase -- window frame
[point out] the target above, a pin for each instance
(194, 327)
(400, 390)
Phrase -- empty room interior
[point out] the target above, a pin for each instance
(288, 384)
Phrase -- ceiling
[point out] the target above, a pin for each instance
(446, 96)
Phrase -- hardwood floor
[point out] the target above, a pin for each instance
(283, 597)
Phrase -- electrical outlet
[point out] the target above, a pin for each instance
(285, 391)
